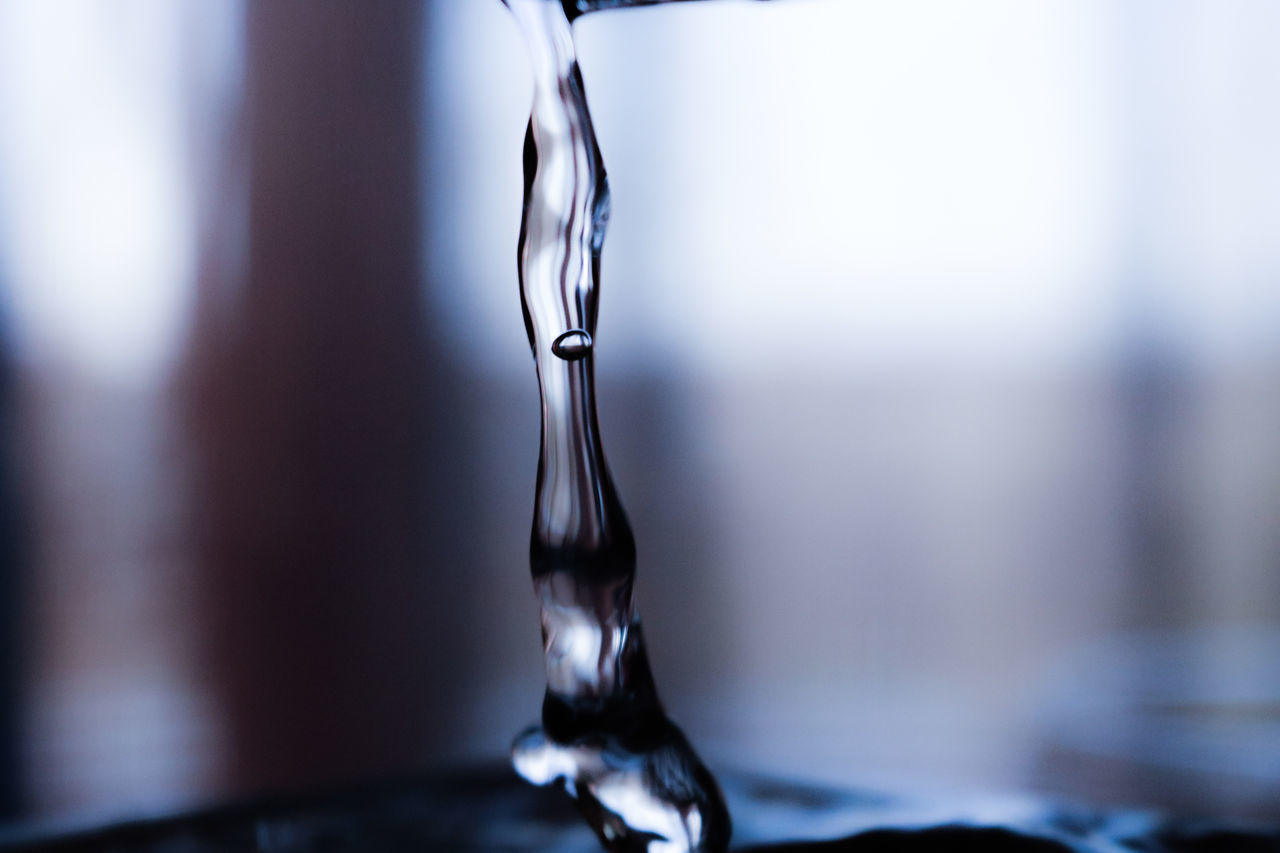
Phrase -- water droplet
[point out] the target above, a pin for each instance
(572, 345)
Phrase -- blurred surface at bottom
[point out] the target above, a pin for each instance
(491, 810)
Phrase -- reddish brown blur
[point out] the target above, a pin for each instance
(309, 410)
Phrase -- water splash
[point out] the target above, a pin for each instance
(604, 734)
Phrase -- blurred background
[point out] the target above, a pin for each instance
(939, 358)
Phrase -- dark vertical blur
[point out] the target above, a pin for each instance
(1153, 382)
(11, 799)
(310, 409)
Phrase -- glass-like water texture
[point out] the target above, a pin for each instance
(604, 734)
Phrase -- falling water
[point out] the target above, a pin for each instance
(604, 734)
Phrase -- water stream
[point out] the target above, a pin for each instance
(604, 735)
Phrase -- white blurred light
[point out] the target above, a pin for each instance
(97, 211)
(862, 183)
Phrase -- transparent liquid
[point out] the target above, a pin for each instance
(604, 734)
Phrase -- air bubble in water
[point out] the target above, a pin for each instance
(572, 345)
